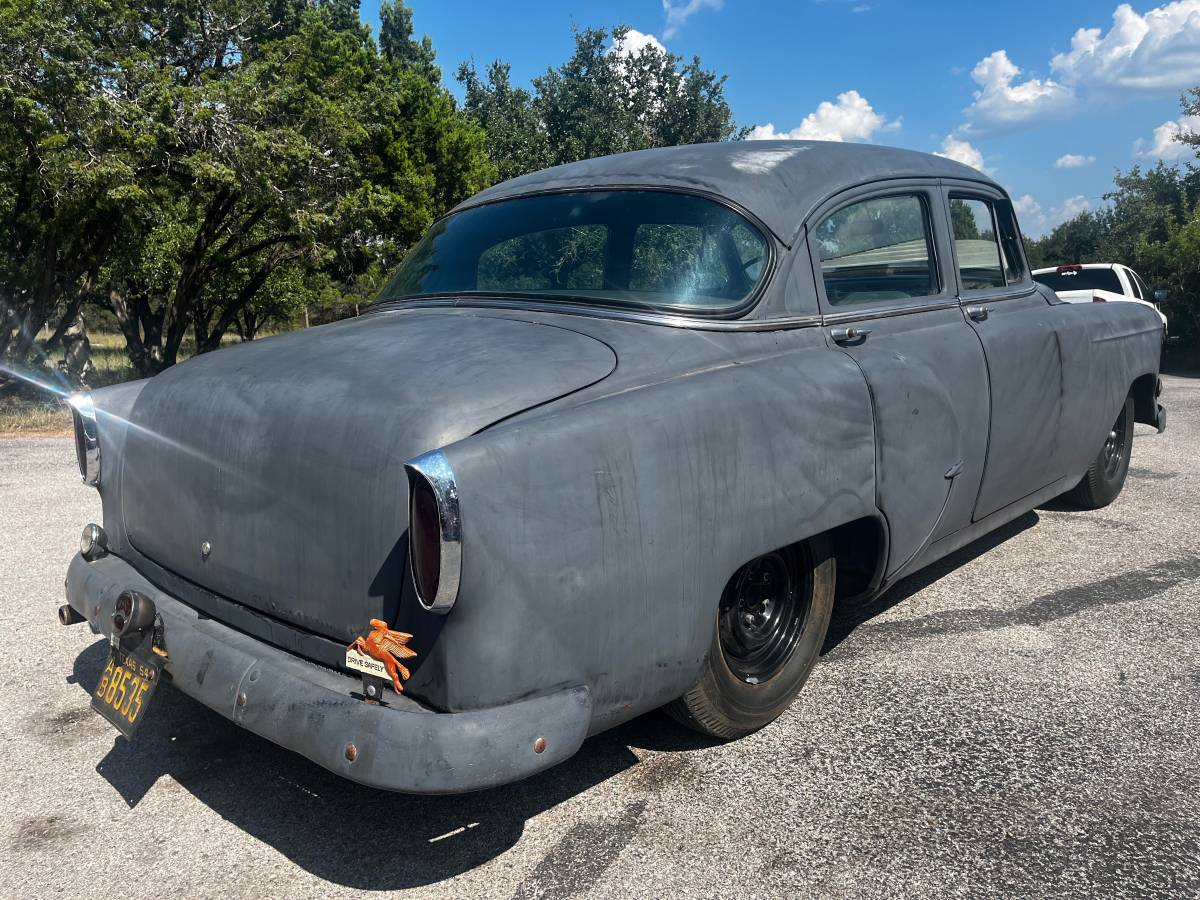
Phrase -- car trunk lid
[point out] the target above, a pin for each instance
(272, 473)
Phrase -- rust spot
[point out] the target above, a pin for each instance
(241, 699)
(351, 753)
(539, 746)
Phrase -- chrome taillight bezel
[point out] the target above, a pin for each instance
(87, 437)
(432, 471)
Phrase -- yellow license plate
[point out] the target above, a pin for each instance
(124, 691)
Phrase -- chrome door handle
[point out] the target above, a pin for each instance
(846, 335)
(978, 313)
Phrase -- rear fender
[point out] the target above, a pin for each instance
(597, 539)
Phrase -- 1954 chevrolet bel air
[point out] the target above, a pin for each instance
(617, 435)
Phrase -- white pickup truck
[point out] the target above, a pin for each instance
(1100, 283)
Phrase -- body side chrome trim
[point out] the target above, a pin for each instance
(435, 469)
(643, 318)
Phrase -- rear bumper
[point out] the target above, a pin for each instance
(401, 746)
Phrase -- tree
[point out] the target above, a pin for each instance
(1152, 223)
(198, 166)
(606, 98)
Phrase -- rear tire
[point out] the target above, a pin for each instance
(1106, 475)
(767, 637)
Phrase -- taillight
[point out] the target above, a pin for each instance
(434, 531)
(424, 539)
(1096, 298)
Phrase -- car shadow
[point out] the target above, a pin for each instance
(341, 831)
(331, 827)
(849, 616)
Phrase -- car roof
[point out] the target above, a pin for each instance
(780, 182)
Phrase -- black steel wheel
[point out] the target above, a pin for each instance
(770, 625)
(1106, 475)
(763, 614)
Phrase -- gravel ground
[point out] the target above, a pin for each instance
(1021, 719)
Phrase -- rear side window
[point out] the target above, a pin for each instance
(986, 242)
(877, 250)
(975, 244)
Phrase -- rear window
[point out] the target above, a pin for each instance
(1081, 280)
(655, 249)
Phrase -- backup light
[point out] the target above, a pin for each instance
(132, 612)
(93, 543)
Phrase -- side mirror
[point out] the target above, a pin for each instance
(1160, 295)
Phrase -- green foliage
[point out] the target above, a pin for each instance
(604, 99)
(1152, 225)
(208, 166)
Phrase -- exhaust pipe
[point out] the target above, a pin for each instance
(68, 616)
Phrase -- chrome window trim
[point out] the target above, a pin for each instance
(87, 437)
(434, 467)
(887, 312)
(644, 318)
(987, 296)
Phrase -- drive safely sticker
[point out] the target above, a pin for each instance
(366, 665)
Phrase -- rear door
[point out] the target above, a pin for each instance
(888, 300)
(1019, 333)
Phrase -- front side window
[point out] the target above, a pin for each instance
(877, 250)
(986, 242)
(656, 249)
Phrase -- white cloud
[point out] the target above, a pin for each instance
(1035, 221)
(1002, 101)
(635, 42)
(1030, 216)
(1165, 143)
(1157, 51)
(1070, 208)
(1025, 205)
(850, 119)
(961, 151)
(678, 12)
(1073, 161)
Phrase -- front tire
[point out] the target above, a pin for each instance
(1106, 475)
(767, 636)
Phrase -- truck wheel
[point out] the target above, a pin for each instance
(1106, 475)
(767, 636)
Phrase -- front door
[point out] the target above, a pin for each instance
(1018, 331)
(889, 304)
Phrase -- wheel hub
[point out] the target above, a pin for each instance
(762, 616)
(1114, 446)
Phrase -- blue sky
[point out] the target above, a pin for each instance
(1012, 87)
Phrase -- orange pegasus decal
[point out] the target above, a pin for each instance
(389, 647)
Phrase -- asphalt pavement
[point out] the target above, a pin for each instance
(1022, 719)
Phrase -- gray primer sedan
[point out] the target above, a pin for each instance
(617, 435)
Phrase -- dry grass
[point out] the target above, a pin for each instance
(32, 413)
(32, 418)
